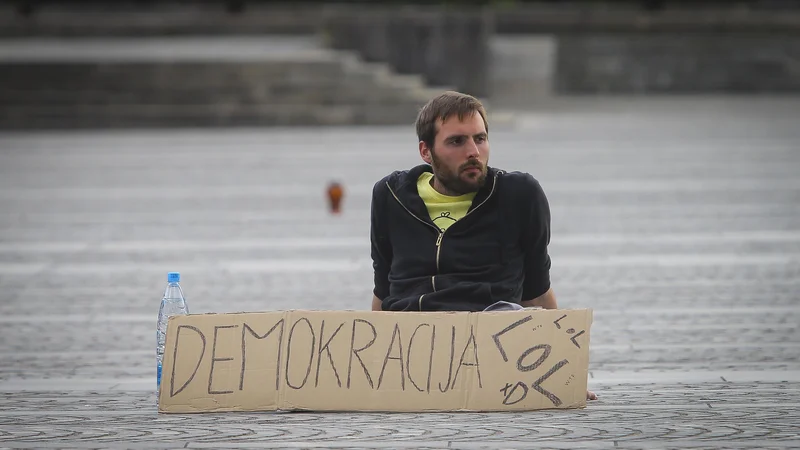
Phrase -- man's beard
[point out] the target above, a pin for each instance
(454, 182)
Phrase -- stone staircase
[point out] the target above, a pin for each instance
(196, 82)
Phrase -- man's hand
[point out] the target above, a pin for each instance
(376, 303)
(546, 301)
(590, 395)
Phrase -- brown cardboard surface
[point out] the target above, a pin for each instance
(376, 361)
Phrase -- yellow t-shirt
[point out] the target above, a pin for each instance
(444, 210)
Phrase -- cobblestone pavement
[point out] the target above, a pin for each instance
(677, 221)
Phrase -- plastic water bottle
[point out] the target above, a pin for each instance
(172, 304)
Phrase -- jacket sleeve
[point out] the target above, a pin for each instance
(535, 242)
(379, 238)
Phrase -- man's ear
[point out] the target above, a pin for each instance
(425, 152)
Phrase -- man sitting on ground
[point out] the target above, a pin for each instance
(454, 234)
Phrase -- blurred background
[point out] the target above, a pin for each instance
(142, 137)
(71, 63)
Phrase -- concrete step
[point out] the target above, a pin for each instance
(133, 75)
(325, 94)
(208, 115)
(165, 48)
(236, 82)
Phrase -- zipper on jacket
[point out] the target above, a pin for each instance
(439, 248)
(409, 211)
(440, 231)
(428, 224)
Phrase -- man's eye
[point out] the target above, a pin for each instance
(458, 141)
(480, 139)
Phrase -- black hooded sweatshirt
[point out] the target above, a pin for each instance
(497, 251)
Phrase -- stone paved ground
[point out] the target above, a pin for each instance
(677, 221)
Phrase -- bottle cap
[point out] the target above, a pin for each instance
(173, 277)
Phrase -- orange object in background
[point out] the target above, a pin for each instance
(335, 194)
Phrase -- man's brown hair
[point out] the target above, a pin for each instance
(444, 106)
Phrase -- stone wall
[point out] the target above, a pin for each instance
(522, 69)
(169, 82)
(555, 49)
(449, 49)
(677, 63)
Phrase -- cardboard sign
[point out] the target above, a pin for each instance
(376, 361)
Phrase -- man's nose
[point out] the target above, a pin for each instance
(472, 149)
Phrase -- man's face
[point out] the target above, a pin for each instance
(459, 156)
